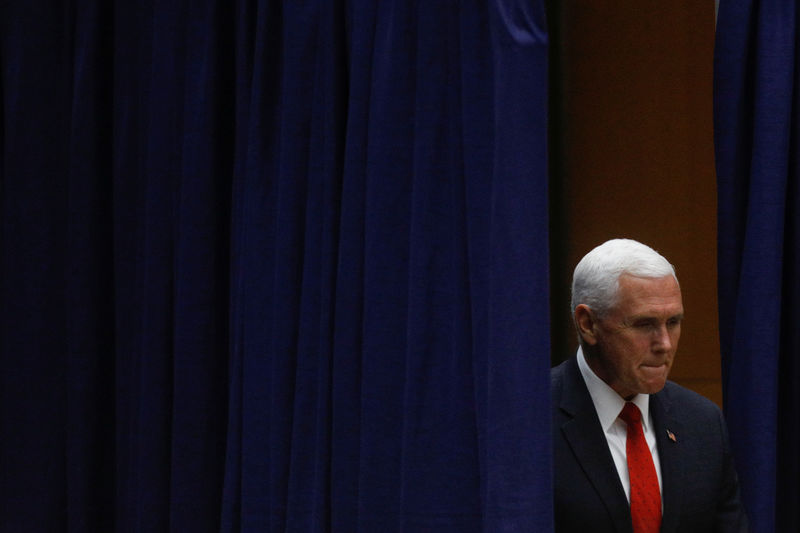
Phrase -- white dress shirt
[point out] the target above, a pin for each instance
(608, 405)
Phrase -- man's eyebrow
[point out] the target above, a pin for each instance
(636, 318)
(678, 317)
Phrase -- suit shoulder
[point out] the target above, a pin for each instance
(559, 369)
(557, 378)
(557, 372)
(684, 398)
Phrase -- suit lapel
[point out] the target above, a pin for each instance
(669, 453)
(588, 443)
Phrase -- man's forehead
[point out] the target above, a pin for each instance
(664, 284)
(648, 292)
(668, 314)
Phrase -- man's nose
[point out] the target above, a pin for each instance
(662, 340)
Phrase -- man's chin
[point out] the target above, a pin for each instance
(653, 378)
(655, 388)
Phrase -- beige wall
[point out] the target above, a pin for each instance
(632, 155)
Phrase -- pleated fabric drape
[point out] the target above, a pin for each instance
(274, 266)
(756, 129)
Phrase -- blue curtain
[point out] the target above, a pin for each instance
(757, 114)
(274, 266)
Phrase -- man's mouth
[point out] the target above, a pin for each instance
(654, 369)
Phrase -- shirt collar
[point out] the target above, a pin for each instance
(607, 402)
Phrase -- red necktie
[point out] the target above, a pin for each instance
(645, 496)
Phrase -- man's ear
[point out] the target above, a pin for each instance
(586, 323)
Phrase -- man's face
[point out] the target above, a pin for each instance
(632, 348)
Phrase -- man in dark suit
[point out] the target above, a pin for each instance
(633, 452)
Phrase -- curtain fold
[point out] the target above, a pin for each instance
(756, 136)
(273, 266)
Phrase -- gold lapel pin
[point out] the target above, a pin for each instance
(671, 436)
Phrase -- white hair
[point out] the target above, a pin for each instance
(595, 281)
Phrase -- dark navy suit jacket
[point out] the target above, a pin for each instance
(700, 490)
